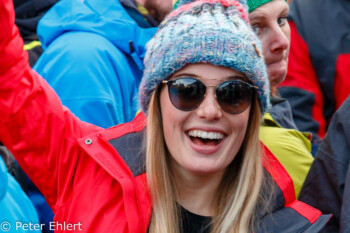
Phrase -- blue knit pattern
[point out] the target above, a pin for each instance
(205, 31)
(183, 2)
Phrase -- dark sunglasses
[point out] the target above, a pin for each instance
(187, 94)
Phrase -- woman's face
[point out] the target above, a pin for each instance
(199, 155)
(270, 24)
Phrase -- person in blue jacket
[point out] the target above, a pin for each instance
(16, 208)
(93, 55)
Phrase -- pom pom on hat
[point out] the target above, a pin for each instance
(205, 31)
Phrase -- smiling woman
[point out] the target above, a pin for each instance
(190, 162)
(189, 134)
(205, 91)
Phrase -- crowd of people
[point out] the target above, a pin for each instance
(208, 116)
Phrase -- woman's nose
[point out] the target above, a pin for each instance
(209, 109)
(280, 41)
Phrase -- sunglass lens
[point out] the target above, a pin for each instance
(186, 93)
(234, 96)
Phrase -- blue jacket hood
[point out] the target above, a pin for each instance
(107, 18)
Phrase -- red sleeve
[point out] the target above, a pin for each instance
(39, 131)
(283, 180)
(301, 75)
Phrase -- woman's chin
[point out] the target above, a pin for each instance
(276, 77)
(277, 73)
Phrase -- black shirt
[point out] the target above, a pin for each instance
(193, 223)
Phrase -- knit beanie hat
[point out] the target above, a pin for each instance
(253, 4)
(205, 31)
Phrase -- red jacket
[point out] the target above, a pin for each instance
(92, 177)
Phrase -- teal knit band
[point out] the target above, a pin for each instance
(253, 4)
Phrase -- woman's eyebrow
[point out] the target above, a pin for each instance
(231, 77)
(257, 17)
(185, 74)
(237, 77)
(285, 11)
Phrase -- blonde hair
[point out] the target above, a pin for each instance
(239, 190)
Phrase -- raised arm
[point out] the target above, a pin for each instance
(34, 125)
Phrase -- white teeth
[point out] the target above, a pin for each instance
(206, 135)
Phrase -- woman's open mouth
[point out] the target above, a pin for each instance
(205, 138)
